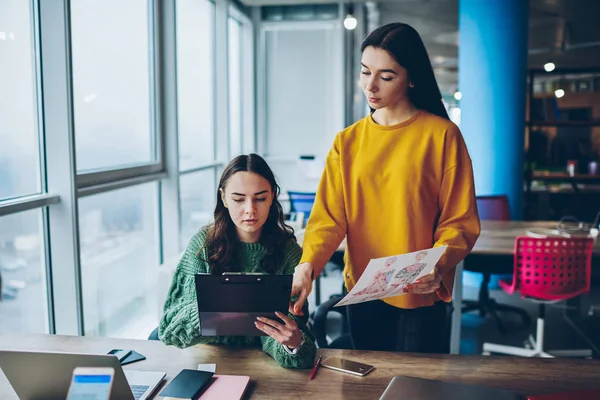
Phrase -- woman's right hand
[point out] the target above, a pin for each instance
(301, 287)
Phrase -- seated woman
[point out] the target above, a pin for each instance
(248, 235)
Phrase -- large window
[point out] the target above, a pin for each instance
(19, 149)
(109, 152)
(195, 79)
(23, 289)
(235, 87)
(112, 83)
(197, 202)
(119, 256)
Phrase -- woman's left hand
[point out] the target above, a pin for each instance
(426, 284)
(288, 333)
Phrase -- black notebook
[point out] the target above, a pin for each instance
(188, 384)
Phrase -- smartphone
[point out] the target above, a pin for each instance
(347, 366)
(121, 354)
(91, 383)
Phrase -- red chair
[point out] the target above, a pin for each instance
(494, 208)
(547, 270)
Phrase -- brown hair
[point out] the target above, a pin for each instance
(222, 242)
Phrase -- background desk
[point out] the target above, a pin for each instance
(497, 238)
(270, 381)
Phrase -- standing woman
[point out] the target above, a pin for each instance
(397, 181)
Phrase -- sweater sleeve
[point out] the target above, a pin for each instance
(305, 356)
(458, 225)
(326, 226)
(180, 323)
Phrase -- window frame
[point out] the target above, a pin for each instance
(116, 177)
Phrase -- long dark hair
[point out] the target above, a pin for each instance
(404, 44)
(222, 242)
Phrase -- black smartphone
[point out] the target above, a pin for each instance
(121, 354)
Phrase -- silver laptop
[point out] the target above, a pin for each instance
(409, 388)
(44, 375)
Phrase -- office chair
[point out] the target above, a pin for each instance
(319, 323)
(547, 270)
(492, 208)
(302, 202)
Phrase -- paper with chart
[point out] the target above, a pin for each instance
(387, 276)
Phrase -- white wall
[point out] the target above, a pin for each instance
(302, 104)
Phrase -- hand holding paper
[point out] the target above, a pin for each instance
(388, 276)
(426, 284)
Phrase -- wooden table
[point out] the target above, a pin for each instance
(498, 237)
(270, 381)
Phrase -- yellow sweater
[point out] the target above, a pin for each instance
(393, 190)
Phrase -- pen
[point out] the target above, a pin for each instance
(315, 368)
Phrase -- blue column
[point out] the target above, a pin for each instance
(492, 70)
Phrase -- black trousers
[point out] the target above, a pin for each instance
(376, 325)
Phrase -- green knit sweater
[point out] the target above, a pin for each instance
(180, 325)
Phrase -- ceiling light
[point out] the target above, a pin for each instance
(350, 22)
(549, 66)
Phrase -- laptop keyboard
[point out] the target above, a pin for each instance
(138, 390)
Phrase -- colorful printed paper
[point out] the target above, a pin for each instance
(387, 276)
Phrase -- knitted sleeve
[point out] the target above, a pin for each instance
(180, 324)
(305, 356)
